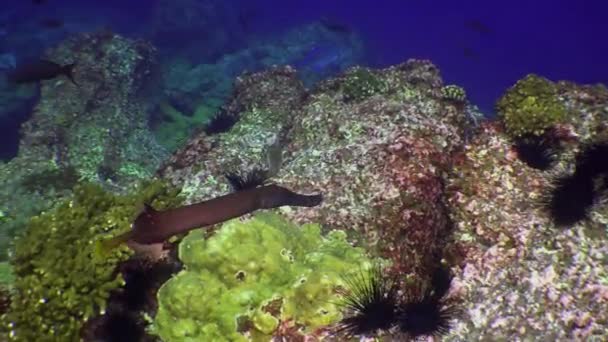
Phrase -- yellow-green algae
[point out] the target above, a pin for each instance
(250, 275)
(59, 281)
(6, 274)
(531, 106)
(362, 83)
(454, 93)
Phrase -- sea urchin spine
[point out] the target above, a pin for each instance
(372, 300)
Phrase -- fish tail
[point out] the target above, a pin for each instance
(68, 70)
(105, 246)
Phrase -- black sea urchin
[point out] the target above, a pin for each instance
(592, 160)
(570, 199)
(372, 300)
(427, 314)
(220, 123)
(252, 179)
(537, 152)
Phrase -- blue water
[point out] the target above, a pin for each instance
(483, 46)
(557, 39)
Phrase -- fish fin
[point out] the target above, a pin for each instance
(68, 71)
(104, 246)
(148, 208)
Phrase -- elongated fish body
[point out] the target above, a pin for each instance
(153, 226)
(41, 70)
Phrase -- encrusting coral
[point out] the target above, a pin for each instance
(254, 278)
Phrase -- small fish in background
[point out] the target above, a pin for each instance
(476, 25)
(336, 27)
(469, 53)
(246, 17)
(320, 57)
(41, 70)
(51, 23)
(38, 2)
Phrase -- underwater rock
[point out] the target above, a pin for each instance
(531, 107)
(379, 142)
(507, 244)
(419, 177)
(263, 103)
(102, 121)
(373, 157)
(96, 130)
(190, 84)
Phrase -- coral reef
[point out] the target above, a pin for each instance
(171, 126)
(60, 281)
(126, 317)
(252, 277)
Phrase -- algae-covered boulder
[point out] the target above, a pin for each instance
(377, 143)
(251, 276)
(100, 126)
(96, 130)
(531, 106)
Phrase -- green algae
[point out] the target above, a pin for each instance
(59, 281)
(252, 274)
(531, 106)
(454, 93)
(361, 84)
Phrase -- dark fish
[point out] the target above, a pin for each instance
(152, 226)
(335, 27)
(245, 18)
(38, 2)
(468, 52)
(478, 26)
(41, 70)
(51, 23)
